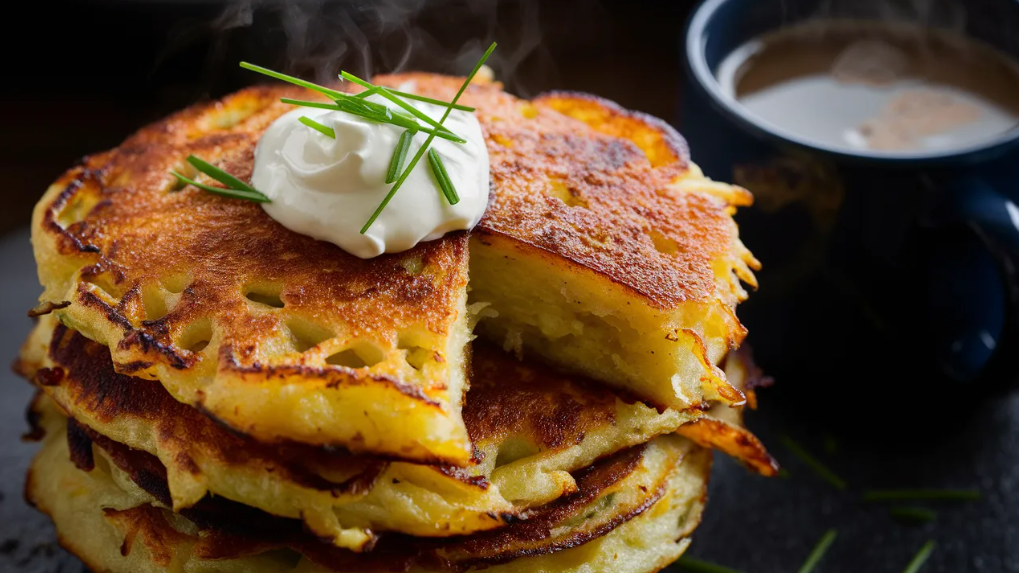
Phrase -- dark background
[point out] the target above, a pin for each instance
(80, 76)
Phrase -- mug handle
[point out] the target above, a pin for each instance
(994, 219)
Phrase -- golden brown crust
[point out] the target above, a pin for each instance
(509, 397)
(576, 179)
(157, 274)
(86, 374)
(551, 409)
(732, 440)
(658, 140)
(593, 184)
(723, 429)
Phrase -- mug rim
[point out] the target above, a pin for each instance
(705, 79)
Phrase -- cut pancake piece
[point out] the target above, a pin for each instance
(274, 333)
(604, 248)
(531, 429)
(632, 512)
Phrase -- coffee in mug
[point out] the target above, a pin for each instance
(875, 87)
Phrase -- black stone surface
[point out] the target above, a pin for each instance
(752, 524)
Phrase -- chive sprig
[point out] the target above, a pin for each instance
(323, 129)
(233, 187)
(442, 177)
(421, 151)
(399, 156)
(399, 102)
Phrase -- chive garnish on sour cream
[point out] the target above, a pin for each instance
(424, 148)
(442, 177)
(359, 105)
(399, 155)
(393, 98)
(323, 129)
(407, 117)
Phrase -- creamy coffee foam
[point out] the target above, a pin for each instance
(875, 87)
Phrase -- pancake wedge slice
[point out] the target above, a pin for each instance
(604, 248)
(273, 333)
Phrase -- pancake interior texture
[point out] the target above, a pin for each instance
(624, 258)
(530, 426)
(632, 512)
(603, 249)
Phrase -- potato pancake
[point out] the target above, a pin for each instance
(604, 248)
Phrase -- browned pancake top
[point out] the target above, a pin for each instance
(587, 181)
(86, 372)
(118, 212)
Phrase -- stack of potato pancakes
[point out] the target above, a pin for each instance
(217, 393)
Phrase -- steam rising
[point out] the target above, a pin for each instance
(317, 38)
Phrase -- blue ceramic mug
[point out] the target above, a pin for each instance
(897, 275)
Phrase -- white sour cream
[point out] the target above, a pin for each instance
(328, 188)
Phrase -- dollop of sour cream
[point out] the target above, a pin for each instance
(328, 188)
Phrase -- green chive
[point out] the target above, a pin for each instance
(442, 176)
(396, 118)
(367, 109)
(293, 80)
(369, 92)
(232, 193)
(417, 156)
(433, 101)
(920, 557)
(784, 473)
(409, 108)
(923, 494)
(303, 103)
(218, 174)
(691, 564)
(338, 95)
(820, 469)
(913, 514)
(399, 156)
(819, 551)
(323, 129)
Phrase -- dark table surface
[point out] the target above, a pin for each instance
(753, 524)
